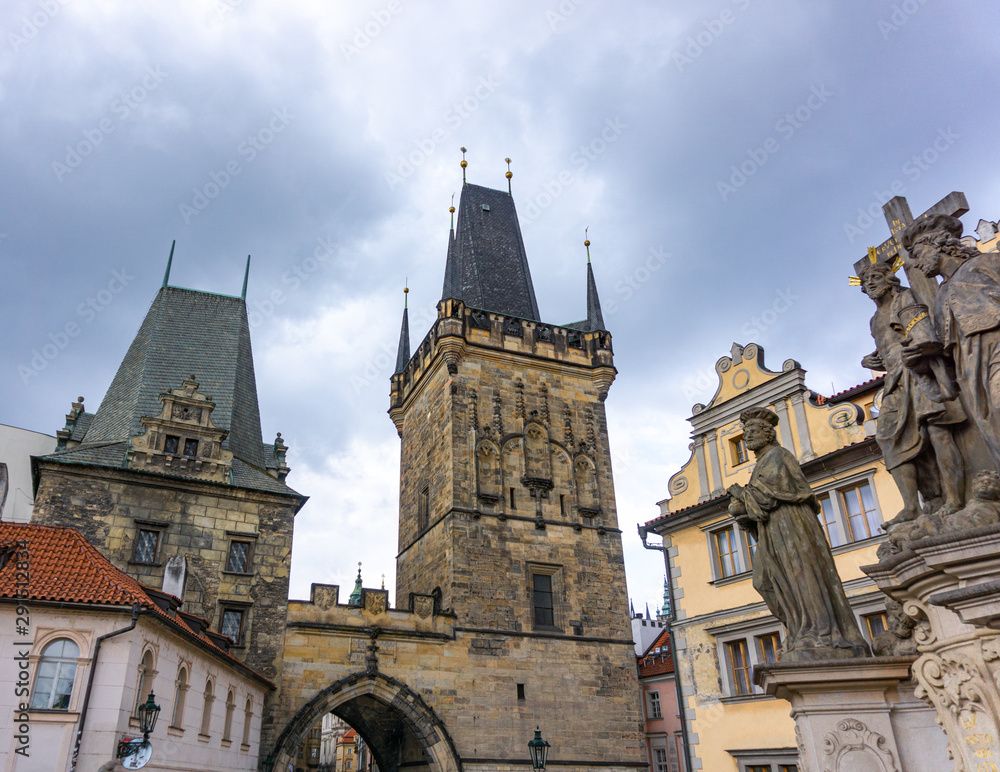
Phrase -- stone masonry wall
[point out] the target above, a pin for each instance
(196, 520)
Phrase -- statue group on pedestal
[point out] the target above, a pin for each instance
(938, 427)
(939, 422)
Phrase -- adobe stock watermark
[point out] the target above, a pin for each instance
(913, 169)
(560, 15)
(627, 286)
(786, 128)
(424, 147)
(261, 308)
(33, 24)
(700, 41)
(122, 107)
(379, 366)
(225, 7)
(365, 33)
(704, 382)
(249, 149)
(86, 312)
(901, 13)
(580, 159)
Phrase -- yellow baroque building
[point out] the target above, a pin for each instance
(722, 627)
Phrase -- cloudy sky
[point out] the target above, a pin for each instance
(725, 156)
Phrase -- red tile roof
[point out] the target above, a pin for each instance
(64, 567)
(657, 663)
(870, 385)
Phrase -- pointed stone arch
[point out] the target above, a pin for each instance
(537, 463)
(588, 497)
(395, 723)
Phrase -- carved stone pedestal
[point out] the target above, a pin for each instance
(857, 715)
(949, 584)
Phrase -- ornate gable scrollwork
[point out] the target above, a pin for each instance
(182, 440)
(855, 746)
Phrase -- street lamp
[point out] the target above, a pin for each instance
(539, 749)
(148, 712)
(269, 764)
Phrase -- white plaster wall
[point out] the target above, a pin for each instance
(16, 448)
(53, 734)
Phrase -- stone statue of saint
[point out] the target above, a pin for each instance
(793, 567)
(967, 318)
(915, 420)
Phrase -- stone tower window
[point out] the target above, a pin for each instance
(239, 557)
(146, 544)
(170, 444)
(542, 600)
(232, 624)
(191, 448)
(423, 508)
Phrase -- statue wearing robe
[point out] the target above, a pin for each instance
(793, 567)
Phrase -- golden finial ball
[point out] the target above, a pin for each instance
(451, 209)
(406, 290)
(464, 163)
(586, 243)
(508, 175)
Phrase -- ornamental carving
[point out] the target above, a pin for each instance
(854, 747)
(182, 440)
(376, 601)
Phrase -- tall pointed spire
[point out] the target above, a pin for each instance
(665, 611)
(464, 165)
(166, 275)
(246, 278)
(595, 319)
(403, 352)
(355, 599)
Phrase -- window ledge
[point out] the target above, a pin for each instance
(239, 573)
(226, 743)
(133, 722)
(142, 563)
(244, 747)
(732, 579)
(856, 545)
(744, 698)
(47, 716)
(175, 731)
(547, 629)
(204, 738)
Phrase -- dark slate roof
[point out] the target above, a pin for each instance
(403, 352)
(81, 426)
(595, 319)
(185, 332)
(487, 267)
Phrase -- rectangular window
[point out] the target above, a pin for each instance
(232, 624)
(876, 623)
(759, 768)
(145, 546)
(239, 557)
(739, 665)
(512, 504)
(424, 508)
(725, 552)
(191, 448)
(541, 586)
(520, 691)
(170, 444)
(768, 645)
(788, 768)
(653, 698)
(828, 520)
(862, 514)
(660, 759)
(739, 450)
(751, 547)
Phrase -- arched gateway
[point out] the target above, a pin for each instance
(395, 723)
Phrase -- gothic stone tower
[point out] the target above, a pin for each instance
(171, 479)
(507, 505)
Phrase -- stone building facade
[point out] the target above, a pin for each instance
(511, 599)
(171, 479)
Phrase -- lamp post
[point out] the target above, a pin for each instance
(135, 754)
(539, 750)
(269, 764)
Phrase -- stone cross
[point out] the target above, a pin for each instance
(898, 216)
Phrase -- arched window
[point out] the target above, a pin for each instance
(206, 712)
(180, 695)
(56, 673)
(227, 728)
(247, 720)
(145, 683)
